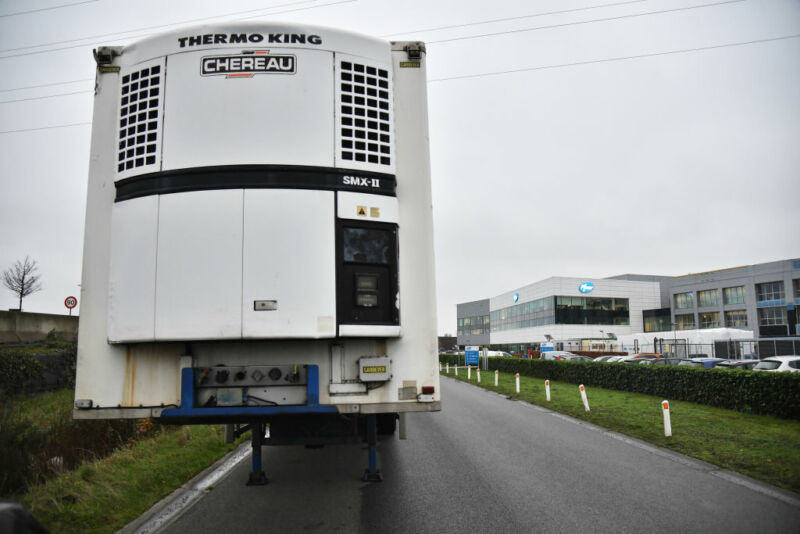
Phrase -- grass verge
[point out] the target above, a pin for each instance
(763, 447)
(104, 495)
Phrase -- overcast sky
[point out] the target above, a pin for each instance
(580, 138)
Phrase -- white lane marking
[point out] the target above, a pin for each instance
(190, 495)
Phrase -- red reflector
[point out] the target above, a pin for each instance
(427, 390)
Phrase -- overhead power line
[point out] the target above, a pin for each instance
(44, 85)
(612, 59)
(43, 97)
(533, 15)
(115, 35)
(529, 69)
(45, 128)
(46, 8)
(592, 21)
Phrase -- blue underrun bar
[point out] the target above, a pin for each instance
(187, 408)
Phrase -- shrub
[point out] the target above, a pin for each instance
(17, 369)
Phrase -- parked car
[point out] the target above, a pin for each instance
(737, 364)
(602, 358)
(579, 358)
(615, 359)
(648, 361)
(556, 355)
(646, 355)
(666, 361)
(636, 358)
(702, 362)
(779, 363)
(500, 353)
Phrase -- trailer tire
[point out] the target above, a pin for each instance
(387, 423)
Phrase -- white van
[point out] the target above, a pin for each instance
(556, 355)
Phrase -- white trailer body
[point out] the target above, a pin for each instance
(259, 237)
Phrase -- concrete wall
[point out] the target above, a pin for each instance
(16, 327)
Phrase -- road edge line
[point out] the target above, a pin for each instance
(173, 505)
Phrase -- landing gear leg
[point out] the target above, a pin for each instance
(257, 476)
(372, 473)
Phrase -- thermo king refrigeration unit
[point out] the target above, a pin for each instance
(259, 241)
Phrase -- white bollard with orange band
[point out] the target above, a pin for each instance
(517, 382)
(667, 421)
(583, 397)
(547, 389)
(478, 370)
(469, 372)
(496, 373)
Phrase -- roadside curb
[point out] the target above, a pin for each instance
(785, 496)
(170, 507)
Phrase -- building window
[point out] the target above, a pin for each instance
(684, 301)
(796, 283)
(657, 320)
(592, 310)
(684, 321)
(523, 315)
(709, 320)
(733, 295)
(476, 325)
(735, 318)
(771, 316)
(709, 297)
(769, 291)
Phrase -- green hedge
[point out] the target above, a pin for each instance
(766, 393)
(16, 369)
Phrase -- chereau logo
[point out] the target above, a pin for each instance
(247, 64)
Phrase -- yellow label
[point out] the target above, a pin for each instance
(374, 212)
(374, 369)
(409, 64)
(361, 211)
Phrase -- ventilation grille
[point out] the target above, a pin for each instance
(366, 116)
(139, 119)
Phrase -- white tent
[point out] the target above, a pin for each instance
(705, 336)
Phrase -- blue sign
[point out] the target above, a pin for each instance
(586, 287)
(515, 298)
(471, 356)
(547, 347)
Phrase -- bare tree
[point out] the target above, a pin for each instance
(22, 279)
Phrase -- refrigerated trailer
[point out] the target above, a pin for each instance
(259, 242)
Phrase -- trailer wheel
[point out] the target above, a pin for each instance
(387, 423)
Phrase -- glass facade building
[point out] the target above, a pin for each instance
(762, 298)
(562, 310)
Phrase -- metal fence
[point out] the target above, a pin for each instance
(734, 349)
(676, 348)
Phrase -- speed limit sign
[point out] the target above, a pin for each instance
(70, 302)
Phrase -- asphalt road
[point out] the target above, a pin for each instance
(488, 464)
